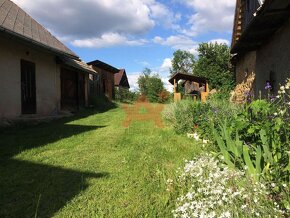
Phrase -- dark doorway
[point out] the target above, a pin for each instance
(69, 90)
(28, 88)
(81, 89)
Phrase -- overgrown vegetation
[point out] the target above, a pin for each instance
(213, 190)
(253, 139)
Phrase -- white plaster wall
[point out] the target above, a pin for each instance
(274, 56)
(47, 79)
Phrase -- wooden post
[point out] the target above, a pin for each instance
(206, 87)
(175, 86)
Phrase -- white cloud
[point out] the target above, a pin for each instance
(163, 15)
(166, 65)
(178, 42)
(101, 23)
(133, 78)
(108, 40)
(209, 15)
(90, 18)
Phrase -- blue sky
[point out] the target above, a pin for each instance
(134, 34)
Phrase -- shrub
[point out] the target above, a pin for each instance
(210, 190)
(194, 116)
(125, 95)
(164, 96)
(258, 139)
(187, 116)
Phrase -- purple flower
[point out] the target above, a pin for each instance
(268, 86)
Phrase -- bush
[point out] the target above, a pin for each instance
(125, 95)
(187, 116)
(194, 116)
(164, 96)
(211, 190)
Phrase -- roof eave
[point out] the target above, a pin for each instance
(29, 40)
(258, 31)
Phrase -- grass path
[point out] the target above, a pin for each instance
(90, 167)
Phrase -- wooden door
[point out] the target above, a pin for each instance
(69, 90)
(28, 88)
(81, 90)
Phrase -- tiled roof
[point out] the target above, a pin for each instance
(14, 20)
(78, 64)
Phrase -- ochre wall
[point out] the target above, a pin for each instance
(47, 79)
(274, 57)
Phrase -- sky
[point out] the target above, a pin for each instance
(134, 34)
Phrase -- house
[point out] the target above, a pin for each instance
(39, 74)
(194, 87)
(105, 79)
(121, 80)
(260, 46)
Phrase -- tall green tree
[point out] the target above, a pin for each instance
(214, 64)
(150, 85)
(182, 62)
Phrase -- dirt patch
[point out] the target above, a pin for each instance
(143, 111)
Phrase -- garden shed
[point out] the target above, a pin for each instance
(194, 86)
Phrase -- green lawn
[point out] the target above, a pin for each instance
(90, 166)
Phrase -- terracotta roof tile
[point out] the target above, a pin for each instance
(16, 21)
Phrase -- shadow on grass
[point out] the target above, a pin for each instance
(27, 188)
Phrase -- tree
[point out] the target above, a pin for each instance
(150, 85)
(214, 64)
(182, 62)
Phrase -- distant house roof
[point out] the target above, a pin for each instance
(77, 64)
(15, 21)
(266, 21)
(104, 66)
(189, 77)
(121, 79)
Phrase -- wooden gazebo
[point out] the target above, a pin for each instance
(196, 87)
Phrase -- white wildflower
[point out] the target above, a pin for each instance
(226, 214)
(196, 136)
(282, 88)
(243, 206)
